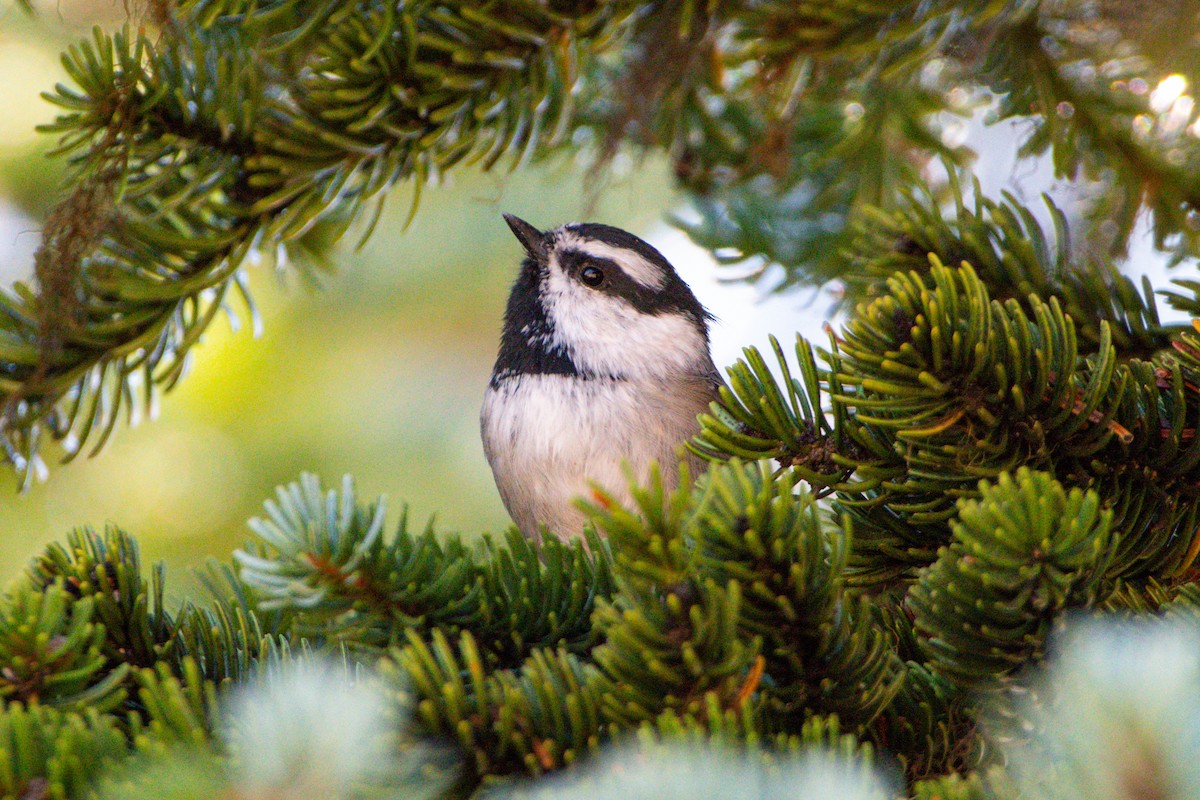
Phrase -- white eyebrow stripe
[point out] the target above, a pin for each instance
(631, 263)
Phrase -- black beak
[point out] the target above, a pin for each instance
(533, 240)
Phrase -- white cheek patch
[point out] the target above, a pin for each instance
(632, 264)
(607, 336)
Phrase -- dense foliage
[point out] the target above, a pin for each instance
(864, 586)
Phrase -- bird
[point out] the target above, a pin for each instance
(603, 368)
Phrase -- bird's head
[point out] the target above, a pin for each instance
(597, 301)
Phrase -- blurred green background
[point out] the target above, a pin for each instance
(378, 372)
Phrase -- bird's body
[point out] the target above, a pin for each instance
(603, 366)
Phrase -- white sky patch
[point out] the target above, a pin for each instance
(19, 239)
(746, 314)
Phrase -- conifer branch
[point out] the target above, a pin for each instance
(1015, 257)
(732, 618)
(47, 750)
(1041, 549)
(227, 140)
(1098, 119)
(324, 562)
(935, 385)
(51, 650)
(248, 133)
(1003, 430)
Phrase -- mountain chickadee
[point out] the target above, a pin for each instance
(603, 362)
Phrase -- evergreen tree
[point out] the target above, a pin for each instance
(857, 599)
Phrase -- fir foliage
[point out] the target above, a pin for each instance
(238, 133)
(1021, 554)
(896, 522)
(1016, 258)
(53, 657)
(52, 753)
(934, 385)
(235, 134)
(728, 621)
(324, 564)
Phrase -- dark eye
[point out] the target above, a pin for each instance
(591, 276)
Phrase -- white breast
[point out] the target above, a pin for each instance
(547, 437)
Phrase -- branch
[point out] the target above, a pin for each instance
(239, 135)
